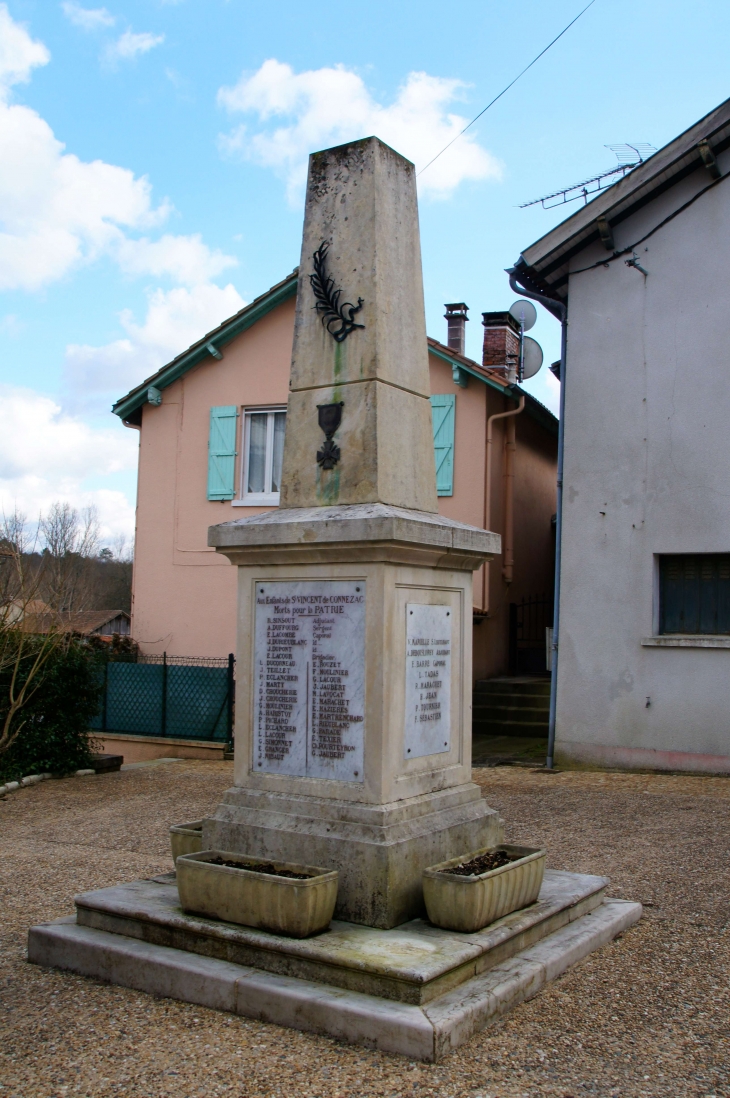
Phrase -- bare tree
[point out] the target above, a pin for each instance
(15, 547)
(23, 655)
(71, 538)
(123, 548)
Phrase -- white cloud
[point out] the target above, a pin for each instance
(185, 258)
(12, 326)
(129, 45)
(19, 53)
(175, 319)
(46, 455)
(37, 437)
(88, 19)
(179, 317)
(330, 106)
(57, 211)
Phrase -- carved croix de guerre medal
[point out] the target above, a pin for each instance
(330, 417)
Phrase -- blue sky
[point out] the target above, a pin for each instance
(152, 158)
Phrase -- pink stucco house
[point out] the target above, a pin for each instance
(212, 426)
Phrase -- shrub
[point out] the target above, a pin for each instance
(118, 647)
(54, 731)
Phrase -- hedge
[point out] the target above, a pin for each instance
(55, 736)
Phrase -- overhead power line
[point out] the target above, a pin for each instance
(511, 84)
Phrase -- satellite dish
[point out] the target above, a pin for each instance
(524, 313)
(531, 357)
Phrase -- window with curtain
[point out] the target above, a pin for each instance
(263, 452)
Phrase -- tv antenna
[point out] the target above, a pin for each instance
(628, 156)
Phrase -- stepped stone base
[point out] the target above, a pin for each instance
(415, 990)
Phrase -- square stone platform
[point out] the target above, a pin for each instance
(414, 990)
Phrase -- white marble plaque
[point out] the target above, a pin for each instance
(428, 680)
(309, 699)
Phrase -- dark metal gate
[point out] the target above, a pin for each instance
(529, 621)
(180, 697)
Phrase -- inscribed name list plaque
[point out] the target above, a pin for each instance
(309, 679)
(428, 680)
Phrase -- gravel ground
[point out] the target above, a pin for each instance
(647, 1015)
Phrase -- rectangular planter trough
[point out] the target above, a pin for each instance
(285, 905)
(471, 903)
(186, 839)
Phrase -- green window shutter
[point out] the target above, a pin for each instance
(222, 452)
(443, 409)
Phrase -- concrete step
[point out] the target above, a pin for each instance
(510, 728)
(489, 710)
(502, 691)
(521, 685)
(504, 720)
(503, 697)
(514, 706)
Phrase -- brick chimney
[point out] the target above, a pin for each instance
(456, 319)
(501, 342)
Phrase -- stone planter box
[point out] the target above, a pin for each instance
(186, 839)
(284, 905)
(471, 903)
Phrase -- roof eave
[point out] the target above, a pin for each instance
(466, 364)
(129, 407)
(227, 331)
(533, 407)
(548, 257)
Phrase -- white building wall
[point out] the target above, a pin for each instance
(647, 471)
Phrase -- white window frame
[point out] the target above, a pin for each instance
(257, 499)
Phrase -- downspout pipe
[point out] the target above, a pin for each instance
(508, 550)
(559, 310)
(484, 609)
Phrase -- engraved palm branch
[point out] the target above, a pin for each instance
(337, 318)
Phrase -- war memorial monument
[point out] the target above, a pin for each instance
(353, 713)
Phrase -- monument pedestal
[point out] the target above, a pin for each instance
(353, 709)
(380, 851)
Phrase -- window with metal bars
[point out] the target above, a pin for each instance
(694, 593)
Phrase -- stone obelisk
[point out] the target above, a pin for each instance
(353, 708)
